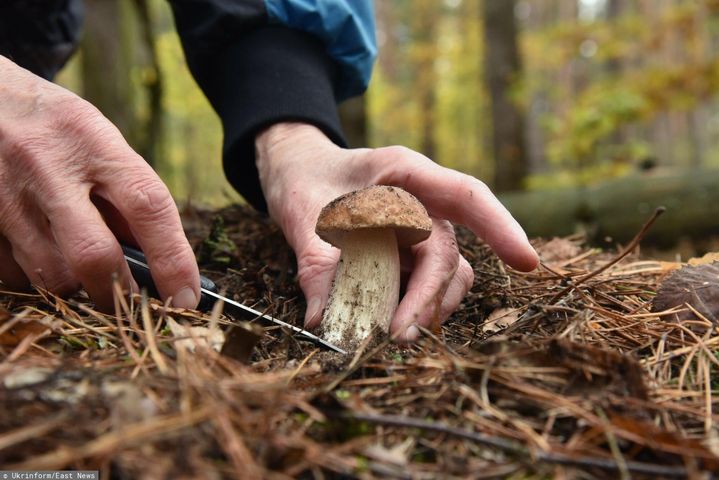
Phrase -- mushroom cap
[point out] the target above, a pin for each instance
(377, 206)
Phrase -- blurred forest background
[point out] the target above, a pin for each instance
(593, 108)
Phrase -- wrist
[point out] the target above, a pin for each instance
(279, 139)
(284, 151)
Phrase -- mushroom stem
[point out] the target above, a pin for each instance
(365, 291)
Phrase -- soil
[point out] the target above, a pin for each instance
(553, 373)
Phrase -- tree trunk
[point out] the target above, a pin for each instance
(118, 36)
(618, 208)
(105, 74)
(502, 68)
(150, 140)
(424, 54)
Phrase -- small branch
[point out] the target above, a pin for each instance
(515, 448)
(627, 250)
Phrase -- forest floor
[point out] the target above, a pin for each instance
(563, 372)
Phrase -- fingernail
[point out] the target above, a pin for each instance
(314, 309)
(185, 298)
(411, 334)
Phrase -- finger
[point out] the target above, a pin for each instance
(436, 261)
(147, 206)
(36, 253)
(91, 251)
(459, 198)
(316, 266)
(10, 272)
(114, 220)
(460, 284)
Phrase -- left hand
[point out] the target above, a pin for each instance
(301, 171)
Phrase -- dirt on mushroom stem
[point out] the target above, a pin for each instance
(365, 291)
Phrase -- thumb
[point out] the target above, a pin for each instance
(316, 265)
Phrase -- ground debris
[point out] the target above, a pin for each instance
(692, 293)
(589, 383)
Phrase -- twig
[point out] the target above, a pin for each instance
(150, 337)
(627, 250)
(515, 448)
(613, 445)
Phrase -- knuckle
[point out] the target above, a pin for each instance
(149, 199)
(465, 273)
(396, 152)
(72, 114)
(56, 280)
(82, 128)
(174, 265)
(23, 149)
(93, 252)
(312, 265)
(447, 252)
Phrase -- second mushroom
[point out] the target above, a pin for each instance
(368, 226)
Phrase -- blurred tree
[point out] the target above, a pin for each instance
(150, 143)
(502, 68)
(353, 115)
(423, 56)
(120, 71)
(105, 70)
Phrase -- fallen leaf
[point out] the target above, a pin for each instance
(558, 249)
(697, 286)
(499, 319)
(396, 455)
(710, 257)
(13, 335)
(27, 377)
(190, 338)
(662, 440)
(240, 341)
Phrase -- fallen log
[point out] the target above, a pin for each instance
(617, 208)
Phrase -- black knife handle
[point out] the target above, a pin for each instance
(142, 276)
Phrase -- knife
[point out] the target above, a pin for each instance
(141, 272)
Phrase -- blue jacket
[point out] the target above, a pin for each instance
(258, 61)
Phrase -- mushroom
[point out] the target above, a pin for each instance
(368, 225)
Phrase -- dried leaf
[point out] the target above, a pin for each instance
(697, 286)
(190, 338)
(396, 455)
(27, 377)
(240, 341)
(710, 257)
(23, 328)
(558, 249)
(664, 440)
(499, 319)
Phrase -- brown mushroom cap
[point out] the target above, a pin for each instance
(378, 206)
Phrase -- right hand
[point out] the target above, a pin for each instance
(70, 186)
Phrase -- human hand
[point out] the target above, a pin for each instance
(69, 187)
(301, 171)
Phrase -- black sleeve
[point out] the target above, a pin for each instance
(254, 75)
(40, 35)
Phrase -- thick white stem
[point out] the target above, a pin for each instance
(365, 292)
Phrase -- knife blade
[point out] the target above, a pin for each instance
(141, 272)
